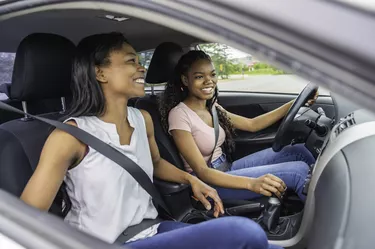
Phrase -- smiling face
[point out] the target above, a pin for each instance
(201, 80)
(123, 76)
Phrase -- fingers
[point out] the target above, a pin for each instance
(271, 189)
(275, 181)
(214, 196)
(264, 192)
(203, 200)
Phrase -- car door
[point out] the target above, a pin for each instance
(249, 87)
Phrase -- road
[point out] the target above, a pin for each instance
(263, 83)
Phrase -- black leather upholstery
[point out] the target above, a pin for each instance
(164, 59)
(22, 141)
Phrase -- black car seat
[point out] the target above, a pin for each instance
(42, 71)
(36, 65)
(162, 64)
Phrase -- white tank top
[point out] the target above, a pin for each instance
(105, 198)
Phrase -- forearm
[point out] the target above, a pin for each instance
(263, 121)
(168, 172)
(224, 180)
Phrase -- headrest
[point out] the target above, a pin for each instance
(42, 68)
(163, 62)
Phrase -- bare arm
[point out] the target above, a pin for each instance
(189, 150)
(60, 152)
(258, 123)
(168, 172)
(265, 185)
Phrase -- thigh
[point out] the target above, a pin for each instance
(221, 233)
(292, 173)
(289, 153)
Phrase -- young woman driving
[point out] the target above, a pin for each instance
(105, 198)
(186, 115)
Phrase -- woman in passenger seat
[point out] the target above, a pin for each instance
(105, 198)
(186, 114)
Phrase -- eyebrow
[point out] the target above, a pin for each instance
(131, 53)
(203, 73)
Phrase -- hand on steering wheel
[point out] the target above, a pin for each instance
(307, 96)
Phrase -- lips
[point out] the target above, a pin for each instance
(207, 90)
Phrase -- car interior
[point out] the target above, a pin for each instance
(337, 132)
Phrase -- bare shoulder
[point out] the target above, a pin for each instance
(148, 121)
(63, 144)
(146, 115)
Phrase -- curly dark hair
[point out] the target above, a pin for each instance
(176, 92)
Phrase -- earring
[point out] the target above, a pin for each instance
(182, 89)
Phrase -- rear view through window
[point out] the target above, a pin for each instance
(6, 67)
(6, 70)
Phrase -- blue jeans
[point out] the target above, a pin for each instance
(223, 233)
(290, 164)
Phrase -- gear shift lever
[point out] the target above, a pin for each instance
(271, 213)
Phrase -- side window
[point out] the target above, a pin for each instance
(6, 70)
(240, 71)
(145, 57)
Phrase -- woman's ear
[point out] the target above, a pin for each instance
(100, 75)
(184, 80)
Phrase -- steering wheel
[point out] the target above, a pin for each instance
(307, 93)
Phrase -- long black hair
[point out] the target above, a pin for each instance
(93, 51)
(88, 98)
(176, 92)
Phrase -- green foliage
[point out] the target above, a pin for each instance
(224, 67)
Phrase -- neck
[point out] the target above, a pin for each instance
(116, 111)
(195, 104)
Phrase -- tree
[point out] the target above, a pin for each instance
(219, 55)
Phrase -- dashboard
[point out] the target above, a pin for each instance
(340, 196)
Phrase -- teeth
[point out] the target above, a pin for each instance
(207, 89)
(141, 81)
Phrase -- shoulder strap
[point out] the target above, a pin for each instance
(123, 161)
(215, 121)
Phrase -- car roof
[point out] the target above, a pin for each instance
(76, 24)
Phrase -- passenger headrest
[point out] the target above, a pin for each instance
(42, 68)
(163, 62)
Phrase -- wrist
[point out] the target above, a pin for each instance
(188, 178)
(249, 183)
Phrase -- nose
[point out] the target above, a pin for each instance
(141, 68)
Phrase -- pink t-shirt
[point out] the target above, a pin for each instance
(183, 118)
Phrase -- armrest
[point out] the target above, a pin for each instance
(168, 188)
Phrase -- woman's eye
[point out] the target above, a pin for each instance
(199, 77)
(132, 60)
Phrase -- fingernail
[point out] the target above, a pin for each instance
(208, 207)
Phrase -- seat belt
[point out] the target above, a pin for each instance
(108, 151)
(215, 121)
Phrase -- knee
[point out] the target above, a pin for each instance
(245, 232)
(302, 168)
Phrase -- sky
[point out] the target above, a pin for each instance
(235, 53)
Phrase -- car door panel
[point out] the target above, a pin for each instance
(254, 104)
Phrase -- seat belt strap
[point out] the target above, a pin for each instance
(131, 231)
(123, 161)
(215, 121)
